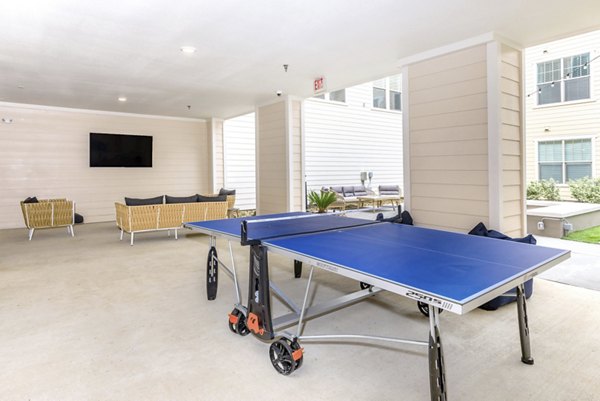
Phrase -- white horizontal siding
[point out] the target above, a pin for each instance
(240, 159)
(341, 140)
(511, 158)
(296, 184)
(218, 155)
(272, 194)
(448, 140)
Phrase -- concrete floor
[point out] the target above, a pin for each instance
(581, 270)
(92, 318)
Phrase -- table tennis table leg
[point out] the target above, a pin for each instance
(437, 370)
(259, 296)
(523, 326)
(212, 271)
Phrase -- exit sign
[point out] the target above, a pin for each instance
(319, 86)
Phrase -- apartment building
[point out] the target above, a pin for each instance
(562, 109)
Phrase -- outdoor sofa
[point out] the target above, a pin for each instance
(349, 196)
(168, 213)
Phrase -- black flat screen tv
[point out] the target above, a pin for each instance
(115, 150)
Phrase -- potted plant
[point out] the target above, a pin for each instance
(321, 200)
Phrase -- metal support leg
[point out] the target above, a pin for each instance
(238, 292)
(121, 237)
(131, 235)
(523, 326)
(31, 230)
(304, 302)
(72, 231)
(437, 371)
(176, 234)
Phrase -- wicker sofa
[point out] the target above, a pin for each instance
(48, 213)
(166, 216)
(347, 195)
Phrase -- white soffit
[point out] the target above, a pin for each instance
(86, 54)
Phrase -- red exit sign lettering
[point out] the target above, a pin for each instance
(319, 85)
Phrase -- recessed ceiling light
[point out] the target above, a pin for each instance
(7, 120)
(122, 99)
(188, 49)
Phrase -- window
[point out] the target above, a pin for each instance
(387, 94)
(564, 79)
(379, 94)
(338, 96)
(565, 160)
(394, 85)
(335, 96)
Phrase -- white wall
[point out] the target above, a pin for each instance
(511, 141)
(448, 121)
(296, 151)
(272, 173)
(45, 153)
(216, 143)
(343, 139)
(240, 160)
(465, 140)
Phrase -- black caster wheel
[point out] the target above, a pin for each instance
(424, 308)
(212, 274)
(286, 356)
(237, 323)
(364, 286)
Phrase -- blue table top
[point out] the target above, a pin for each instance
(232, 227)
(453, 266)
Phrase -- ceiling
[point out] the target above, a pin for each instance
(85, 54)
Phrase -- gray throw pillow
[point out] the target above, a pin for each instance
(360, 190)
(143, 202)
(181, 199)
(224, 191)
(348, 191)
(220, 198)
(389, 190)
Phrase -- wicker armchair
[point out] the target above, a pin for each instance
(49, 213)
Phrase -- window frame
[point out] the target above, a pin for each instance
(563, 78)
(327, 97)
(387, 96)
(563, 162)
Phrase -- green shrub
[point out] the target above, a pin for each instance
(585, 190)
(543, 190)
(321, 200)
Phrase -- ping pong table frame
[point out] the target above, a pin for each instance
(287, 355)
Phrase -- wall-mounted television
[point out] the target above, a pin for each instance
(116, 150)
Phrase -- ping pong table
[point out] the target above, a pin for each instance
(448, 271)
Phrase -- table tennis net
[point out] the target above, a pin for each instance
(255, 231)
